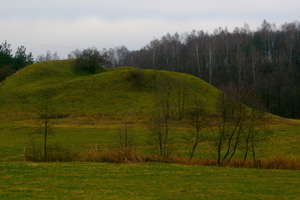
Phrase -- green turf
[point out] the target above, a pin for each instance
(144, 181)
(283, 141)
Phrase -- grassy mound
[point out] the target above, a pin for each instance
(114, 92)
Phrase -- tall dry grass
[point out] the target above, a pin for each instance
(57, 153)
(121, 155)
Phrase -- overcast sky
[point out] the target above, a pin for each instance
(64, 25)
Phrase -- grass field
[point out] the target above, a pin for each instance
(283, 141)
(144, 181)
(94, 107)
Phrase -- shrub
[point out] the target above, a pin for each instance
(90, 61)
(136, 77)
(34, 152)
(124, 155)
(266, 163)
(56, 153)
(279, 163)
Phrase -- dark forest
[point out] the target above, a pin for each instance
(266, 60)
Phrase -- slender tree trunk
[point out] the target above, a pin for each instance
(220, 143)
(153, 58)
(253, 70)
(45, 140)
(166, 138)
(198, 61)
(221, 133)
(247, 147)
(196, 142)
(230, 141)
(253, 150)
(219, 149)
(126, 135)
(237, 140)
(279, 99)
(210, 65)
(160, 137)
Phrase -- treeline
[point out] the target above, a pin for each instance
(266, 60)
(11, 62)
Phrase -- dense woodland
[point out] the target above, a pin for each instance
(11, 62)
(266, 60)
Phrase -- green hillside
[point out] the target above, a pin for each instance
(113, 92)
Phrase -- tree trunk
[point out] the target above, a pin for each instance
(253, 150)
(194, 147)
(247, 147)
(45, 140)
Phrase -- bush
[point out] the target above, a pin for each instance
(90, 61)
(56, 153)
(266, 163)
(34, 152)
(136, 77)
(5, 71)
(279, 163)
(124, 155)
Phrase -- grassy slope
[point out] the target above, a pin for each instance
(144, 181)
(107, 93)
(80, 94)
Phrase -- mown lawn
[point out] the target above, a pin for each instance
(20, 180)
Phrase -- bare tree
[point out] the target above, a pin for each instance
(232, 116)
(222, 126)
(240, 127)
(124, 139)
(180, 93)
(255, 128)
(45, 112)
(199, 120)
(48, 56)
(162, 115)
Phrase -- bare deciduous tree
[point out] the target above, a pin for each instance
(240, 127)
(255, 128)
(162, 115)
(199, 120)
(45, 112)
(180, 93)
(124, 139)
(232, 116)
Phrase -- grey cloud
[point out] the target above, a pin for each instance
(144, 8)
